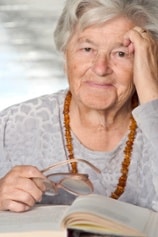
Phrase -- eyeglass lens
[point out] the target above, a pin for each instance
(78, 187)
(72, 184)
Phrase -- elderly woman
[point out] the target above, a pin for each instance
(107, 118)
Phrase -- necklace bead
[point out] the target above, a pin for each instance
(68, 132)
(127, 151)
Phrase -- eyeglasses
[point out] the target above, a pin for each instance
(77, 184)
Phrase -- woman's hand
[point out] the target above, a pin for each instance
(145, 65)
(19, 191)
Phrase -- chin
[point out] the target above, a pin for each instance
(98, 101)
(97, 105)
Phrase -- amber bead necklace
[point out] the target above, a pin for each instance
(127, 151)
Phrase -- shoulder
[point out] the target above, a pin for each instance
(35, 106)
(147, 110)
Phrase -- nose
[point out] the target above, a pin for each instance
(101, 66)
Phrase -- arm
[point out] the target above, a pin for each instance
(146, 116)
(145, 77)
(18, 190)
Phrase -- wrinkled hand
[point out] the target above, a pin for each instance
(19, 191)
(145, 65)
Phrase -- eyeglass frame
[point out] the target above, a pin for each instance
(51, 185)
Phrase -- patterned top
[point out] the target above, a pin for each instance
(32, 133)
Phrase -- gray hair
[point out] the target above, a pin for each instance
(84, 13)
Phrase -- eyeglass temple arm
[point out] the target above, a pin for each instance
(71, 161)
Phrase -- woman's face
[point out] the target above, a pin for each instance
(99, 67)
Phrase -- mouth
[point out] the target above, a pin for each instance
(101, 85)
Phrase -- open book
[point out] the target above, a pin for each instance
(87, 214)
(99, 214)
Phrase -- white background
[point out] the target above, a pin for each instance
(29, 64)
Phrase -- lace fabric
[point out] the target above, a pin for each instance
(37, 139)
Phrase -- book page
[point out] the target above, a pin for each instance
(110, 210)
(35, 234)
(152, 225)
(40, 219)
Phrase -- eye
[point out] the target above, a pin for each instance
(121, 54)
(87, 49)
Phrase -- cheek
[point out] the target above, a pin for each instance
(76, 68)
(124, 72)
(72, 70)
(128, 74)
(73, 74)
(71, 63)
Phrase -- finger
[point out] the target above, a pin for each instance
(18, 175)
(137, 40)
(139, 30)
(142, 33)
(134, 33)
(19, 195)
(10, 205)
(16, 196)
(10, 186)
(29, 186)
(39, 183)
(27, 171)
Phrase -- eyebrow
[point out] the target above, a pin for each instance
(85, 40)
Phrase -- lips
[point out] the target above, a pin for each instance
(99, 84)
